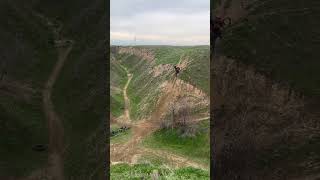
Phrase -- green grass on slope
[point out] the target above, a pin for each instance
(197, 148)
(198, 71)
(142, 86)
(168, 54)
(134, 98)
(154, 160)
(118, 75)
(146, 171)
(118, 79)
(280, 39)
(117, 104)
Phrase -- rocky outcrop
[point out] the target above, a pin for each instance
(259, 125)
(140, 52)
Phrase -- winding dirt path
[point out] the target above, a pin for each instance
(55, 127)
(126, 99)
(54, 170)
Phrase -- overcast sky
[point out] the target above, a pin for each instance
(160, 22)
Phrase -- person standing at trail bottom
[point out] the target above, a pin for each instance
(177, 70)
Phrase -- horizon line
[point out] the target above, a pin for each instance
(158, 45)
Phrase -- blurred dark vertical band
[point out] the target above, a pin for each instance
(211, 98)
(107, 85)
(107, 128)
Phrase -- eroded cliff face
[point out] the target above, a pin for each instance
(139, 52)
(262, 129)
(155, 82)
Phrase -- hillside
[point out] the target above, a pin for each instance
(72, 90)
(26, 61)
(118, 81)
(81, 86)
(166, 117)
(266, 84)
(151, 74)
(279, 39)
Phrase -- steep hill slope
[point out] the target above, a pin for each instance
(265, 86)
(279, 39)
(162, 105)
(27, 57)
(117, 82)
(78, 94)
(30, 56)
(149, 74)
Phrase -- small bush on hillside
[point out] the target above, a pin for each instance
(180, 118)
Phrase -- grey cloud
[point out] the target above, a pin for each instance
(162, 21)
(132, 7)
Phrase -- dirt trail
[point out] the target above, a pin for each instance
(55, 127)
(126, 99)
(54, 169)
